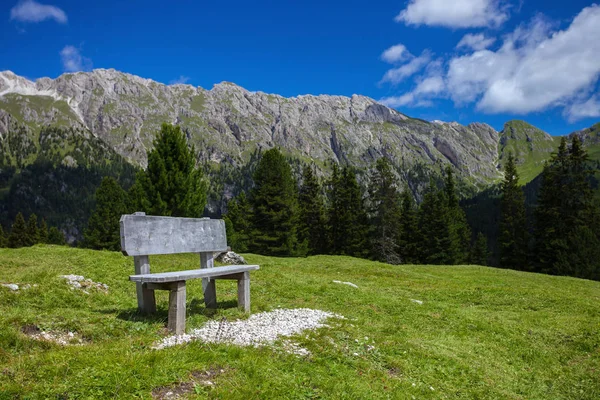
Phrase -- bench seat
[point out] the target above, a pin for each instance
(143, 236)
(215, 272)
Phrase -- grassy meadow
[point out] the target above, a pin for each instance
(479, 333)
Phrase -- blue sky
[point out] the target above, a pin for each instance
(461, 60)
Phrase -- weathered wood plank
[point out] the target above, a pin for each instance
(244, 292)
(193, 274)
(147, 235)
(145, 296)
(176, 323)
(209, 288)
(210, 294)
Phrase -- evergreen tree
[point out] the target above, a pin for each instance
(437, 244)
(56, 237)
(3, 241)
(512, 237)
(138, 198)
(43, 231)
(173, 185)
(348, 218)
(334, 211)
(480, 253)
(567, 234)
(33, 234)
(551, 215)
(103, 231)
(459, 228)
(238, 223)
(384, 204)
(409, 229)
(311, 228)
(18, 234)
(274, 206)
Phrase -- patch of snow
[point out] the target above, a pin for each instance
(258, 330)
(346, 283)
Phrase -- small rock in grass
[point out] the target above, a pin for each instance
(229, 257)
(12, 286)
(80, 282)
(346, 283)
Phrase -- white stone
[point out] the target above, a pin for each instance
(346, 283)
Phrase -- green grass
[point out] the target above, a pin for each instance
(480, 332)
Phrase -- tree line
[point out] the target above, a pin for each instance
(564, 236)
(25, 234)
(281, 217)
(282, 214)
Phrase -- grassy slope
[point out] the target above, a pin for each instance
(481, 332)
(531, 146)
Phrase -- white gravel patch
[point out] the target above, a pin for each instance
(81, 283)
(346, 283)
(258, 330)
(61, 338)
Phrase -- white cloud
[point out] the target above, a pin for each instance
(587, 109)
(475, 42)
(73, 61)
(454, 13)
(181, 80)
(395, 54)
(398, 101)
(416, 64)
(533, 70)
(32, 11)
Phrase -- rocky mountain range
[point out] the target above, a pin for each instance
(227, 123)
(107, 118)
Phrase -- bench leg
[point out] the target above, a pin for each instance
(210, 292)
(244, 292)
(145, 297)
(176, 322)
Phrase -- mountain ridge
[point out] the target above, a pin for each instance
(228, 122)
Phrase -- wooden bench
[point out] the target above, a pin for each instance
(142, 236)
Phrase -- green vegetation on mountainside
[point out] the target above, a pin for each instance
(479, 333)
(530, 146)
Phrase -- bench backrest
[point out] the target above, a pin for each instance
(143, 235)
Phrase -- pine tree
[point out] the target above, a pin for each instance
(43, 231)
(56, 237)
(33, 234)
(480, 253)
(409, 229)
(384, 204)
(138, 198)
(274, 206)
(437, 244)
(18, 234)
(173, 185)
(311, 227)
(3, 241)
(459, 228)
(352, 222)
(103, 231)
(238, 223)
(513, 237)
(551, 215)
(334, 211)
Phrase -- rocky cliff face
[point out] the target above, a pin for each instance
(227, 123)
